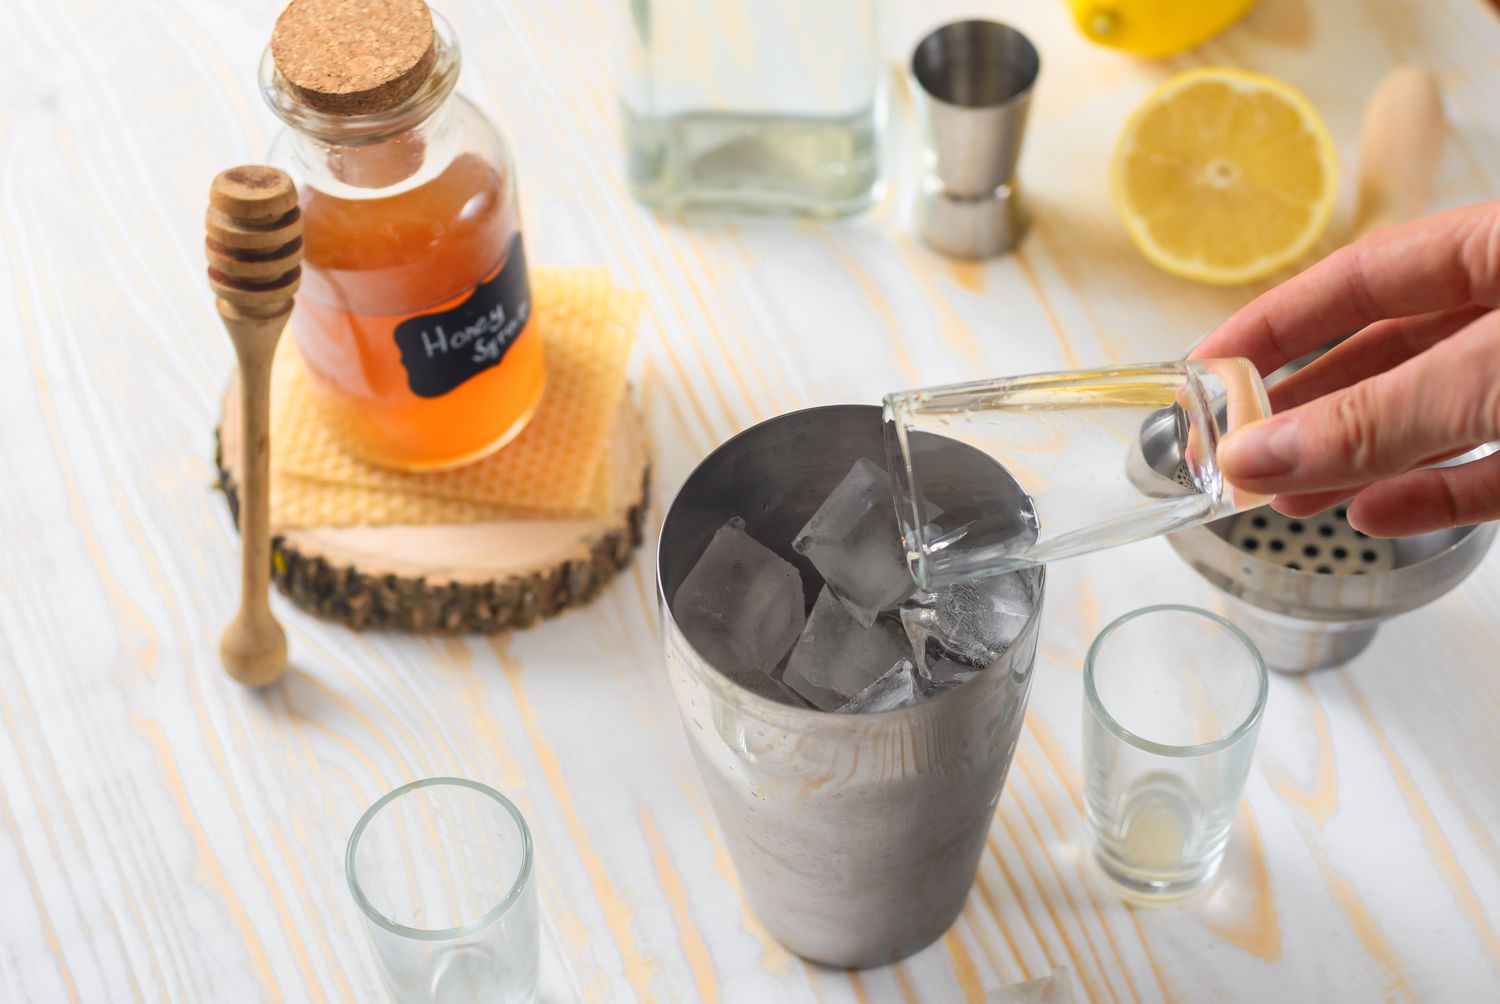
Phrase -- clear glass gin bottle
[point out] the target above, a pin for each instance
(753, 105)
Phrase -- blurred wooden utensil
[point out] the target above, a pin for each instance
(1400, 145)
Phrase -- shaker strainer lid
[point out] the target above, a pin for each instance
(1324, 544)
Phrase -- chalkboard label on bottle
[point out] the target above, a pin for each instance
(442, 350)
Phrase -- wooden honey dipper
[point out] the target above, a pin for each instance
(254, 247)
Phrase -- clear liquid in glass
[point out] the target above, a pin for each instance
(753, 105)
(996, 475)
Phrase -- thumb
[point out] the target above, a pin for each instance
(1445, 398)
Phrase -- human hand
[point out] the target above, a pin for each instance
(1419, 382)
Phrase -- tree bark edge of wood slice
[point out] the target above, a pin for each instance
(451, 578)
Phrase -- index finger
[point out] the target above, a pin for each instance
(1441, 261)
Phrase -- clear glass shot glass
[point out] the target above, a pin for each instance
(995, 475)
(442, 872)
(1173, 697)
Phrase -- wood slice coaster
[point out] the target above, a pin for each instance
(484, 577)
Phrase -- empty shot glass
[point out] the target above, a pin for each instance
(442, 872)
(999, 474)
(1173, 697)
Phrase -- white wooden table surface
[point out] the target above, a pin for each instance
(165, 834)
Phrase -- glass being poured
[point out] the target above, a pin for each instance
(999, 474)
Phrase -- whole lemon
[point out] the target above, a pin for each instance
(1155, 27)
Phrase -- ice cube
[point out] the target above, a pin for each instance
(741, 608)
(1058, 987)
(896, 689)
(960, 629)
(773, 689)
(837, 657)
(854, 541)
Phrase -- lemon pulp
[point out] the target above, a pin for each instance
(1224, 176)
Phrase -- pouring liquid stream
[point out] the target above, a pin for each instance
(997, 475)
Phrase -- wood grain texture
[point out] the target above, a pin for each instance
(165, 834)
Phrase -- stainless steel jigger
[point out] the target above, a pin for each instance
(975, 79)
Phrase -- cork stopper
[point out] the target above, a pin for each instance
(354, 57)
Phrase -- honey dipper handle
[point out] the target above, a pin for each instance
(254, 248)
(256, 351)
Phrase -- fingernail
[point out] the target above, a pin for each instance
(1262, 450)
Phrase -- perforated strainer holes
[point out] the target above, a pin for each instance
(1321, 545)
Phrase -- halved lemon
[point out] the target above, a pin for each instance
(1224, 176)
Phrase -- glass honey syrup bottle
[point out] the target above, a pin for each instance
(413, 318)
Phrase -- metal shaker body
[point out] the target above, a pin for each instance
(856, 837)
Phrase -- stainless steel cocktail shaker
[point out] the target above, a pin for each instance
(856, 837)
